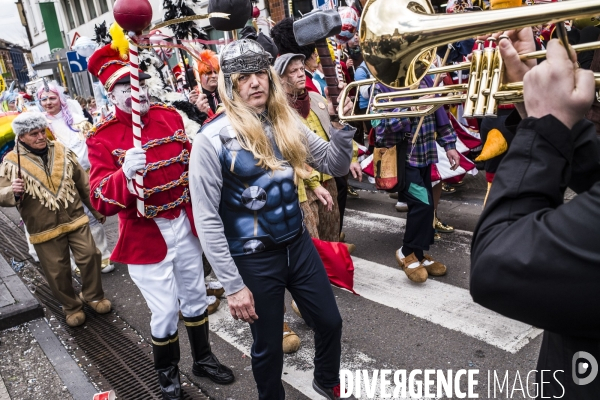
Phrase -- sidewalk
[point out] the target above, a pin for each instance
(35, 364)
(26, 371)
(17, 304)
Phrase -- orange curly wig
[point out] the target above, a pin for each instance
(209, 61)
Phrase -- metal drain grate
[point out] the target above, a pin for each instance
(114, 354)
(13, 239)
(126, 367)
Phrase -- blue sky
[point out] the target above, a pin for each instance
(10, 24)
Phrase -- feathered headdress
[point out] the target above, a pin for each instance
(179, 9)
(119, 40)
(102, 36)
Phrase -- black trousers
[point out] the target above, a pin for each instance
(342, 187)
(418, 196)
(299, 269)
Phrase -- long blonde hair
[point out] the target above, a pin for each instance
(286, 126)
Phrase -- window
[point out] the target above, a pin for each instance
(103, 6)
(71, 21)
(29, 11)
(91, 8)
(79, 12)
(301, 7)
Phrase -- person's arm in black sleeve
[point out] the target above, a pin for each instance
(534, 258)
(585, 167)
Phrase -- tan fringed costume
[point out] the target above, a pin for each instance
(52, 209)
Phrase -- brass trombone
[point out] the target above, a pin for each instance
(399, 39)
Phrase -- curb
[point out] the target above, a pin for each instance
(26, 307)
(77, 383)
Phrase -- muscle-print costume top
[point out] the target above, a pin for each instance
(240, 208)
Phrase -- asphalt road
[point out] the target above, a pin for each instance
(388, 326)
(394, 324)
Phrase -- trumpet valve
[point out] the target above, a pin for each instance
(484, 81)
(473, 85)
(491, 109)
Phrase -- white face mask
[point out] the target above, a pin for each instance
(121, 98)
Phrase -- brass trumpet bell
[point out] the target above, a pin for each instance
(399, 37)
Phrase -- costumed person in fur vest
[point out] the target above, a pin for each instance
(243, 172)
(317, 194)
(69, 126)
(283, 36)
(161, 248)
(49, 188)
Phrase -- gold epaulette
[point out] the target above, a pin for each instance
(100, 125)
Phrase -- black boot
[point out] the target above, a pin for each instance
(166, 358)
(205, 362)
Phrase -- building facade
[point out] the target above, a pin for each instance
(55, 26)
(13, 66)
(18, 55)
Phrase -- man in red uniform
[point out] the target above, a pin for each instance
(161, 249)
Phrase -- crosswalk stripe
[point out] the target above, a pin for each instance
(238, 334)
(443, 304)
(373, 222)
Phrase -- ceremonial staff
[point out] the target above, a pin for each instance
(18, 198)
(136, 119)
(134, 16)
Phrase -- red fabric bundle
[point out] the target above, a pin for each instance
(338, 263)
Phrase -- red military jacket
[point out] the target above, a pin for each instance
(165, 181)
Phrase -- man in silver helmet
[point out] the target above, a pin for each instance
(243, 172)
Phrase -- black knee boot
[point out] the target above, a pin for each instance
(166, 358)
(205, 362)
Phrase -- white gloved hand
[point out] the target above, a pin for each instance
(135, 159)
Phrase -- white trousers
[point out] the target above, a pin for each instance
(98, 233)
(32, 251)
(177, 282)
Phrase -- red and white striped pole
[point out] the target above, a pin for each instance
(338, 63)
(136, 119)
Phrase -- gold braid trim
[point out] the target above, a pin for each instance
(55, 232)
(59, 191)
(166, 342)
(196, 323)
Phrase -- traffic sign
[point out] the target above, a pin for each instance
(76, 62)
